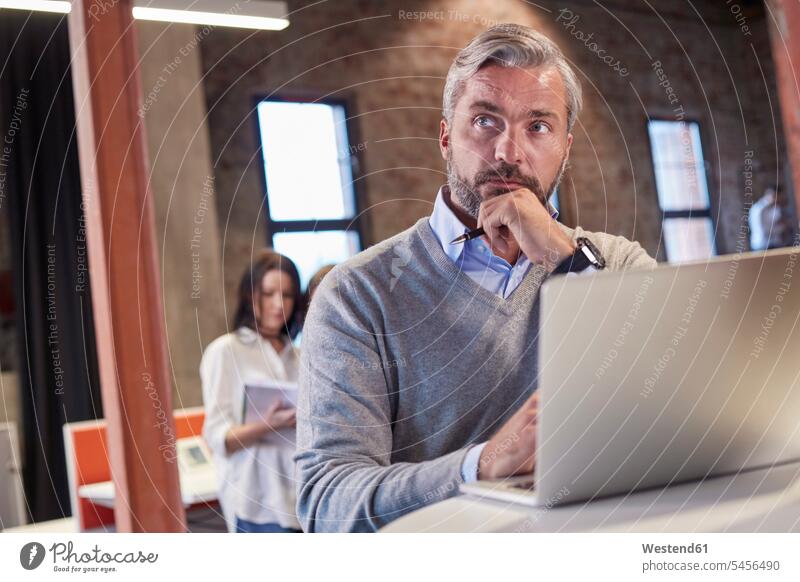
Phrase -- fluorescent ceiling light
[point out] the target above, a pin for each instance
(255, 14)
(61, 7)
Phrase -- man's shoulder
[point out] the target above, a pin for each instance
(379, 258)
(618, 251)
(373, 269)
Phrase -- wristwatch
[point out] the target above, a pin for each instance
(586, 255)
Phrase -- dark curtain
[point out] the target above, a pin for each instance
(57, 371)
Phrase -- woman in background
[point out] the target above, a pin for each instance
(254, 460)
(313, 283)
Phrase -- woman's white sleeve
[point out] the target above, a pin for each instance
(220, 379)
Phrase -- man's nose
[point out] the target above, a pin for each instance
(507, 148)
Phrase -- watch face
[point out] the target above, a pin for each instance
(591, 252)
(586, 255)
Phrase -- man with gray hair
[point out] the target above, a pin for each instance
(419, 364)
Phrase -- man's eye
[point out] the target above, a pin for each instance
(484, 121)
(539, 127)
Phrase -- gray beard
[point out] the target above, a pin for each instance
(470, 199)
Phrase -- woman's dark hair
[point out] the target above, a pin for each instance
(250, 291)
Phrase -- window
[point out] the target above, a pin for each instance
(687, 228)
(311, 202)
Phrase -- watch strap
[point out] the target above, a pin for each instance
(580, 260)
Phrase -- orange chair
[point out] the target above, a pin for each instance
(189, 422)
(87, 461)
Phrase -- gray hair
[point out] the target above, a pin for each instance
(510, 45)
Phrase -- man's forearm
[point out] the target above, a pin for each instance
(346, 495)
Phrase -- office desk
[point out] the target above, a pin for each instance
(63, 525)
(766, 500)
(196, 488)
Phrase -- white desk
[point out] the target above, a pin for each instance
(197, 487)
(63, 525)
(753, 501)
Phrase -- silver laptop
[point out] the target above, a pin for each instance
(650, 378)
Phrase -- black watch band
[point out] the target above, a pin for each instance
(586, 255)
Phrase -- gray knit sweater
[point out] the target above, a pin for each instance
(405, 362)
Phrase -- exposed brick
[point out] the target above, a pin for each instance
(610, 173)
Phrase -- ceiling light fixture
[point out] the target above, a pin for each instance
(255, 14)
(62, 7)
(252, 14)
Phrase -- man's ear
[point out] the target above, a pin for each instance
(569, 144)
(444, 138)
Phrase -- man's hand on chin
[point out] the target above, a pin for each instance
(521, 215)
(512, 451)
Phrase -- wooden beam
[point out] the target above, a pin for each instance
(126, 287)
(784, 25)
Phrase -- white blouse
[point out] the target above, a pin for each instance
(256, 483)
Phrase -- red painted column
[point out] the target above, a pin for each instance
(123, 260)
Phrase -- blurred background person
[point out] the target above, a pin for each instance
(315, 280)
(771, 220)
(313, 283)
(254, 460)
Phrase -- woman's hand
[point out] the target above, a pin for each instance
(276, 417)
(280, 416)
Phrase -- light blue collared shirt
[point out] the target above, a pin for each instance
(491, 272)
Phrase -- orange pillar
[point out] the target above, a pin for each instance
(784, 23)
(126, 287)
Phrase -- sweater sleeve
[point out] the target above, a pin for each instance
(634, 256)
(346, 478)
(620, 253)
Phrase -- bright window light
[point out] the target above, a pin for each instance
(680, 168)
(309, 164)
(311, 251)
(679, 165)
(688, 239)
(306, 160)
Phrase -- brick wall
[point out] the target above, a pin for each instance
(390, 63)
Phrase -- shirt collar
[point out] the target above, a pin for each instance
(447, 226)
(250, 336)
